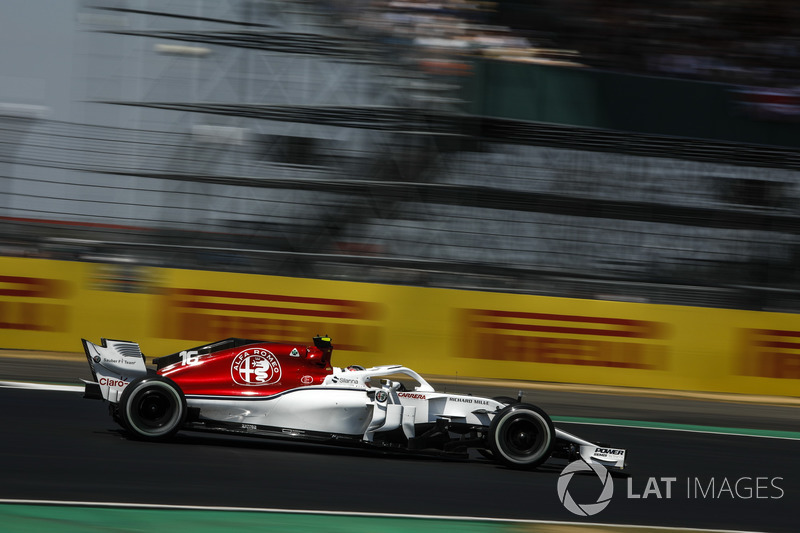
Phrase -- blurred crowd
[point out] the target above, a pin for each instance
(747, 42)
(753, 42)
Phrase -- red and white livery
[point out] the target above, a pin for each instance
(282, 390)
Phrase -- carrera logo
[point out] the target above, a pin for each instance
(564, 339)
(255, 367)
(306, 380)
(411, 395)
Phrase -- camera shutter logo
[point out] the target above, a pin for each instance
(585, 509)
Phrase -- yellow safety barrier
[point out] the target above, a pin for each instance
(50, 305)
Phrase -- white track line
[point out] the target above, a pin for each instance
(40, 386)
(144, 506)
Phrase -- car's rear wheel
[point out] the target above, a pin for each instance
(521, 436)
(152, 408)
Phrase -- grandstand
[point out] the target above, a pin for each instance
(268, 137)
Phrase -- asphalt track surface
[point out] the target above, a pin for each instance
(57, 446)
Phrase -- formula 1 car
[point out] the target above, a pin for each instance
(282, 390)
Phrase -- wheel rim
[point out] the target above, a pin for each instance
(523, 436)
(152, 409)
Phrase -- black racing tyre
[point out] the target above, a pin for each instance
(152, 408)
(521, 436)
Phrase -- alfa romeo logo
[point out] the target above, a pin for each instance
(255, 367)
(585, 509)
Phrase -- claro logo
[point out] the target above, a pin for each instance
(564, 339)
(118, 383)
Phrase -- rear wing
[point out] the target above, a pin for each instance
(114, 364)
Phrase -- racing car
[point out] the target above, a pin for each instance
(291, 391)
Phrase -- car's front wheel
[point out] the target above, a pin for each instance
(505, 400)
(521, 436)
(152, 408)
